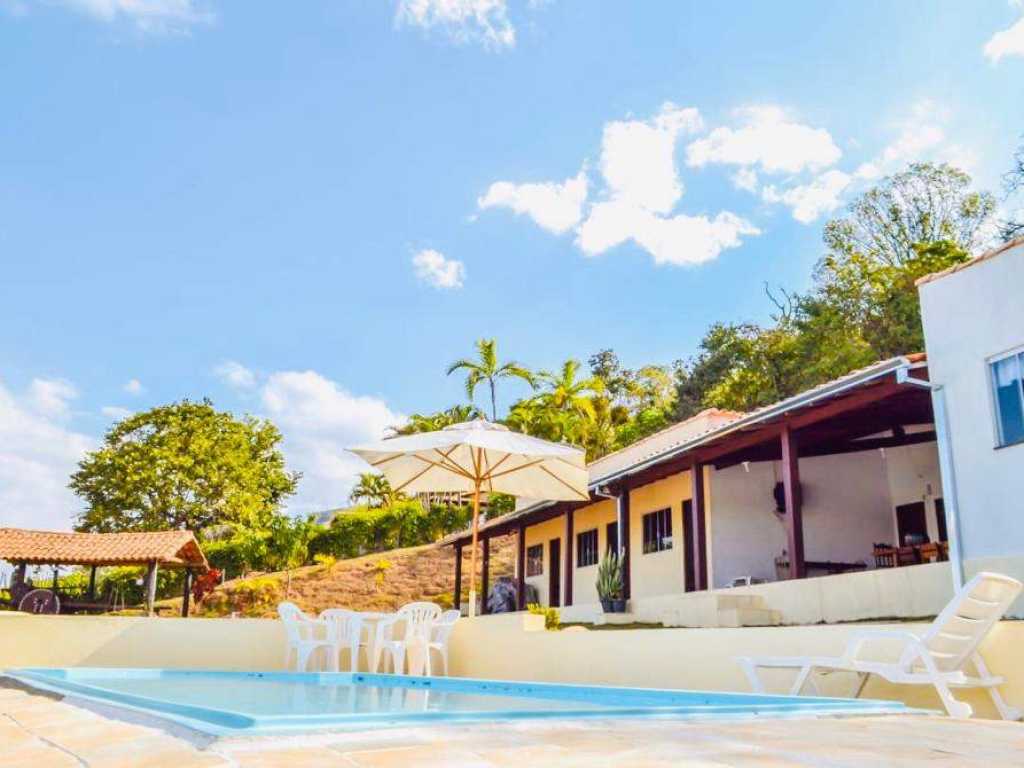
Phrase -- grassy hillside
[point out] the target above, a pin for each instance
(382, 581)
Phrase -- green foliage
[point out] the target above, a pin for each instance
(609, 577)
(552, 619)
(183, 466)
(325, 561)
(486, 368)
(457, 414)
(380, 570)
(374, 490)
(362, 530)
(250, 597)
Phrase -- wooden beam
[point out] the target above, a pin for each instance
(696, 538)
(831, 448)
(151, 573)
(186, 593)
(567, 564)
(622, 518)
(457, 594)
(521, 568)
(794, 513)
(485, 576)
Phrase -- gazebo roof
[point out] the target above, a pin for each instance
(169, 548)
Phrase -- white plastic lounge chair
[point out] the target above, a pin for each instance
(346, 632)
(939, 658)
(439, 637)
(306, 636)
(417, 624)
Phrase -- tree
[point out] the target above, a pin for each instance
(432, 422)
(486, 368)
(924, 204)
(1013, 183)
(288, 544)
(375, 491)
(183, 466)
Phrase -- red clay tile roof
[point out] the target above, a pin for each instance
(169, 548)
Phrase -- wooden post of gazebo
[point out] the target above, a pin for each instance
(151, 572)
(186, 593)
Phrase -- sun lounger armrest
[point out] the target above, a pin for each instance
(858, 639)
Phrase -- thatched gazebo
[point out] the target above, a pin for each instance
(170, 549)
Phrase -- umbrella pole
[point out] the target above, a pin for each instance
(472, 569)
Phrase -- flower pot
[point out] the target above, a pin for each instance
(606, 605)
(618, 606)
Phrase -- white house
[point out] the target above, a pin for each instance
(974, 333)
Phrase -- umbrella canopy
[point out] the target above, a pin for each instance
(480, 456)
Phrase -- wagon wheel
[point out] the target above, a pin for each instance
(40, 601)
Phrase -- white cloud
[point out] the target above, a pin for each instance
(235, 374)
(678, 240)
(809, 201)
(51, 397)
(638, 157)
(115, 412)
(432, 267)
(319, 419)
(464, 21)
(145, 15)
(553, 206)
(746, 179)
(1007, 42)
(38, 453)
(766, 138)
(134, 387)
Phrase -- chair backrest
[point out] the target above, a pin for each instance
(957, 632)
(345, 625)
(444, 626)
(297, 624)
(419, 619)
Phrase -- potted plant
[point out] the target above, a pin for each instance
(609, 583)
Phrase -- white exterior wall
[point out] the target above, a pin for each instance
(969, 317)
(849, 504)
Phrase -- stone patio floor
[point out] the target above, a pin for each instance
(41, 730)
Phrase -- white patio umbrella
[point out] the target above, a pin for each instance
(475, 456)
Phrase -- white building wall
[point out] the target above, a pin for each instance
(848, 505)
(971, 316)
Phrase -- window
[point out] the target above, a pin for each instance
(657, 531)
(586, 548)
(1009, 398)
(535, 560)
(611, 538)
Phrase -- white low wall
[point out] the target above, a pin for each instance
(511, 646)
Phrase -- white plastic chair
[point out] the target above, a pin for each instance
(939, 658)
(346, 632)
(440, 636)
(417, 623)
(305, 637)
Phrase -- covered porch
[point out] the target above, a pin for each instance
(841, 479)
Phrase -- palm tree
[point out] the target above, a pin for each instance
(432, 422)
(375, 490)
(567, 404)
(486, 368)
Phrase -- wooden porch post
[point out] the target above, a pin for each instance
(698, 533)
(186, 594)
(457, 594)
(92, 583)
(794, 513)
(622, 517)
(521, 568)
(485, 576)
(151, 587)
(567, 558)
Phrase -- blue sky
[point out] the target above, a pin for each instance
(306, 212)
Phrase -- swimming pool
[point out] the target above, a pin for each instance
(223, 703)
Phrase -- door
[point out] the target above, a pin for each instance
(940, 519)
(689, 571)
(910, 521)
(555, 573)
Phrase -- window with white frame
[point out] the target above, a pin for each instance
(1008, 396)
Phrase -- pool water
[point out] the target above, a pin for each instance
(268, 702)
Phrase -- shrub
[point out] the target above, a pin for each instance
(551, 618)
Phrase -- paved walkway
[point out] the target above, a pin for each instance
(40, 731)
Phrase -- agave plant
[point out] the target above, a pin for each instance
(609, 577)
